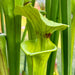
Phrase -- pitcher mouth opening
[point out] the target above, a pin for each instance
(37, 53)
(32, 50)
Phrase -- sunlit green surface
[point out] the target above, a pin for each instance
(37, 58)
(3, 60)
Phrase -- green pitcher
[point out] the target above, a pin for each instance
(36, 57)
(38, 50)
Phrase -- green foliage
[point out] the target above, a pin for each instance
(0, 7)
(3, 59)
(43, 12)
(66, 37)
(23, 73)
(42, 46)
(33, 47)
(31, 34)
(37, 58)
(13, 31)
(27, 1)
(39, 48)
(73, 22)
(52, 14)
(72, 25)
(24, 34)
(41, 24)
(72, 6)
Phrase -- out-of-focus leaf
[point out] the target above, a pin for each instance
(27, 1)
(73, 24)
(8, 5)
(73, 16)
(0, 7)
(72, 33)
(23, 73)
(40, 24)
(3, 60)
(43, 12)
(73, 6)
(3, 43)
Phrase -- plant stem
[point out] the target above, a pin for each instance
(48, 7)
(18, 40)
(52, 12)
(11, 44)
(13, 26)
(23, 37)
(24, 34)
(13, 30)
(2, 21)
(66, 38)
